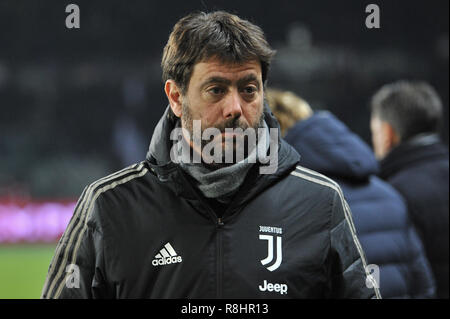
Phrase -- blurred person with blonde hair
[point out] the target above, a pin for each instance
(288, 108)
(389, 240)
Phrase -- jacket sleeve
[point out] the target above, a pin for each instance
(421, 277)
(348, 267)
(76, 267)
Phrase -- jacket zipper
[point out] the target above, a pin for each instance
(219, 225)
(219, 257)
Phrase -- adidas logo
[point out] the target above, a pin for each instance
(166, 256)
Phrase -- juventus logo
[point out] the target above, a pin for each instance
(270, 252)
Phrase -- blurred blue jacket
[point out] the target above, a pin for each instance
(380, 215)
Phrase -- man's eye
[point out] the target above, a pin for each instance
(216, 90)
(249, 90)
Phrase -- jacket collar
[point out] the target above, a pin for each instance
(170, 174)
(421, 148)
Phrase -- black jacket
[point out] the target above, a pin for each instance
(418, 169)
(379, 212)
(145, 232)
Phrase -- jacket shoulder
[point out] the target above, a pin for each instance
(314, 181)
(315, 187)
(110, 185)
(116, 180)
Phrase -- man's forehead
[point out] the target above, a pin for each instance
(216, 67)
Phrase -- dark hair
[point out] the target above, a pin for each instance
(410, 108)
(200, 36)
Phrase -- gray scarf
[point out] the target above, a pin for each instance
(222, 183)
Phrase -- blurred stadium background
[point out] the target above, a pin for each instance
(76, 105)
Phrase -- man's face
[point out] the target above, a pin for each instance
(224, 96)
(381, 139)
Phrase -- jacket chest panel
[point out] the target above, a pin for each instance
(265, 251)
(235, 260)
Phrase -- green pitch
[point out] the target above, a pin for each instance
(23, 269)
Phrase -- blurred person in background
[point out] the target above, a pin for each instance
(405, 119)
(388, 238)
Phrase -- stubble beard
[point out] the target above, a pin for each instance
(233, 123)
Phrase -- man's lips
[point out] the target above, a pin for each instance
(231, 134)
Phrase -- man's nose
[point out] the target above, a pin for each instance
(233, 107)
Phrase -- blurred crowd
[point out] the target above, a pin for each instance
(80, 104)
(69, 122)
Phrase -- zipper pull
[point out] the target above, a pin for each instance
(220, 222)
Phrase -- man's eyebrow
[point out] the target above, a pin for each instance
(248, 78)
(216, 79)
(240, 82)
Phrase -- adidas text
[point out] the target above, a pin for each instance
(166, 261)
(166, 256)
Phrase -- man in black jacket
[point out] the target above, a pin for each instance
(210, 226)
(404, 123)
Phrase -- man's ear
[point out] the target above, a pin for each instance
(175, 97)
(392, 138)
